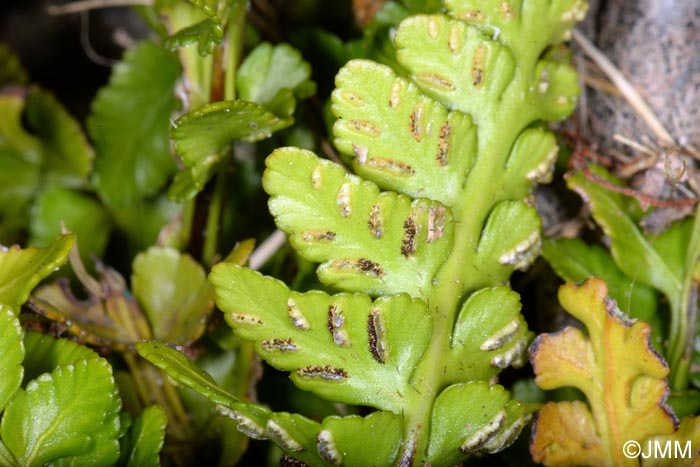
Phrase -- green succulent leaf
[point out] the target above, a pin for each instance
(173, 291)
(11, 371)
(203, 136)
(343, 347)
(471, 418)
(11, 70)
(66, 154)
(69, 417)
(141, 445)
(79, 212)
(490, 334)
(268, 70)
(44, 353)
(129, 125)
(21, 270)
(369, 241)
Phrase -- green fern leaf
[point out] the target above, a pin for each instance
(344, 347)
(367, 240)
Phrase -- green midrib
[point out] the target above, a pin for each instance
(458, 277)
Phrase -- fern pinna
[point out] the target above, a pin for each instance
(421, 242)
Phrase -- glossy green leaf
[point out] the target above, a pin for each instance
(67, 156)
(633, 252)
(369, 241)
(68, 416)
(233, 371)
(79, 212)
(22, 269)
(344, 347)
(173, 291)
(269, 69)
(143, 222)
(471, 418)
(206, 33)
(575, 261)
(292, 432)
(212, 32)
(182, 370)
(11, 70)
(44, 353)
(203, 136)
(20, 159)
(490, 334)
(337, 441)
(130, 123)
(141, 445)
(12, 351)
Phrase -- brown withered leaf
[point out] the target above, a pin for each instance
(616, 368)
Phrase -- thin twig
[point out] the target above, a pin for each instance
(86, 5)
(625, 87)
(643, 198)
(266, 249)
(87, 46)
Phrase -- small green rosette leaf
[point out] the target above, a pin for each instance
(12, 351)
(79, 212)
(141, 445)
(22, 269)
(368, 241)
(69, 416)
(67, 156)
(11, 70)
(130, 124)
(173, 292)
(202, 137)
(273, 76)
(44, 354)
(343, 347)
(20, 159)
